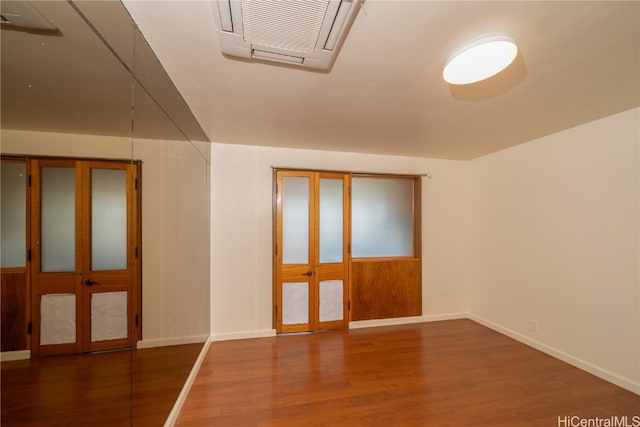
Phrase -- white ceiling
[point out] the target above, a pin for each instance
(578, 61)
(78, 79)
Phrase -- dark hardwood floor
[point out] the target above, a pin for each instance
(120, 388)
(451, 373)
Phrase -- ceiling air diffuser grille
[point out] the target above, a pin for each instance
(307, 33)
(293, 24)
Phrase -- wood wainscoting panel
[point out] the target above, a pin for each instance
(385, 288)
(14, 309)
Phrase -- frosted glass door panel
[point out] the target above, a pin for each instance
(108, 316)
(331, 307)
(331, 221)
(295, 303)
(295, 220)
(58, 219)
(382, 217)
(13, 233)
(57, 319)
(108, 219)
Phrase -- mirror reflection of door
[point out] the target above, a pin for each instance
(311, 257)
(14, 269)
(85, 256)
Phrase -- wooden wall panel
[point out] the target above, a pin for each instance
(14, 315)
(385, 288)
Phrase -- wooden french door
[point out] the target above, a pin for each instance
(85, 256)
(311, 261)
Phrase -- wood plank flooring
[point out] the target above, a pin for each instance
(121, 388)
(452, 373)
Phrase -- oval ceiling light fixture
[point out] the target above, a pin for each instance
(480, 60)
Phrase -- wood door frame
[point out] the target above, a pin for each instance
(346, 249)
(413, 274)
(368, 273)
(131, 257)
(277, 309)
(39, 286)
(314, 265)
(33, 287)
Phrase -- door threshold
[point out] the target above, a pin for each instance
(112, 350)
(283, 334)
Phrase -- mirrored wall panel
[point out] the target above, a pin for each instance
(86, 73)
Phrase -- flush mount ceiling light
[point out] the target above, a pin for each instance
(480, 60)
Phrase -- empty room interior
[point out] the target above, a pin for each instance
(314, 212)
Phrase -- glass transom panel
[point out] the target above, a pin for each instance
(58, 219)
(331, 220)
(108, 219)
(13, 234)
(382, 217)
(295, 220)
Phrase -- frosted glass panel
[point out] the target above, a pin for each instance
(295, 220)
(331, 224)
(108, 316)
(57, 319)
(382, 217)
(108, 219)
(295, 303)
(13, 207)
(58, 219)
(331, 307)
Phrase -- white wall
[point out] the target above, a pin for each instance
(556, 240)
(547, 231)
(175, 224)
(241, 252)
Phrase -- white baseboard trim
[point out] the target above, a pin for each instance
(182, 397)
(8, 356)
(226, 336)
(165, 342)
(406, 320)
(606, 375)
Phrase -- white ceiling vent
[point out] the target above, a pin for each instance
(307, 33)
(24, 16)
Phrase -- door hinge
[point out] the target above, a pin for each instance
(348, 305)
(135, 252)
(135, 183)
(29, 328)
(275, 309)
(28, 180)
(349, 248)
(276, 249)
(28, 254)
(137, 319)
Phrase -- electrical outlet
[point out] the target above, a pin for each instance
(533, 326)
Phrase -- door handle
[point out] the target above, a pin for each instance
(90, 282)
(308, 273)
